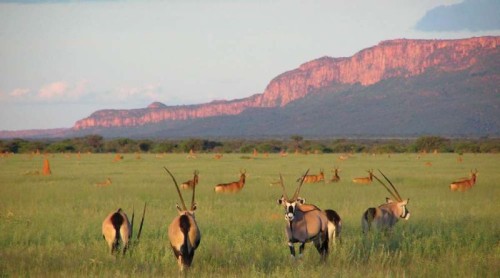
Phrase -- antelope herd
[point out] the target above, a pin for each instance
(304, 222)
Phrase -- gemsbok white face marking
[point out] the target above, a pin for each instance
(290, 207)
(385, 216)
(183, 231)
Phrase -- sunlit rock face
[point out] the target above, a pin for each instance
(395, 58)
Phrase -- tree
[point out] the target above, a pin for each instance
(95, 142)
(191, 144)
(164, 147)
(297, 139)
(62, 146)
(431, 143)
(145, 145)
(15, 145)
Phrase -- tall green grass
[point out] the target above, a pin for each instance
(51, 226)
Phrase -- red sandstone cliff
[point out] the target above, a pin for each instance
(395, 58)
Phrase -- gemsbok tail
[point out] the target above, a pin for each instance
(117, 221)
(185, 226)
(334, 225)
(367, 219)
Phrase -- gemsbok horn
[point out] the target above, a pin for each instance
(183, 232)
(117, 229)
(306, 222)
(385, 216)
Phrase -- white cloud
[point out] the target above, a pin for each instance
(19, 92)
(53, 90)
(84, 92)
(61, 91)
(148, 92)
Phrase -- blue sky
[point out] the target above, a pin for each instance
(62, 60)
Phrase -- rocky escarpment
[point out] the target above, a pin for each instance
(395, 58)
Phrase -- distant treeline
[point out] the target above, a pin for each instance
(98, 144)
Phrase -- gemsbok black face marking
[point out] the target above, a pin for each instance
(183, 232)
(385, 216)
(306, 222)
(117, 230)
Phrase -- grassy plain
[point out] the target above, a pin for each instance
(50, 226)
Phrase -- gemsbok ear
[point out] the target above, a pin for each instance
(194, 206)
(279, 201)
(388, 200)
(178, 207)
(301, 201)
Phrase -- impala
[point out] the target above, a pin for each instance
(364, 180)
(336, 177)
(104, 183)
(313, 178)
(192, 182)
(234, 186)
(218, 156)
(464, 184)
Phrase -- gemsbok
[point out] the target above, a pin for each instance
(385, 216)
(464, 184)
(313, 178)
(192, 182)
(306, 223)
(335, 177)
(234, 186)
(183, 232)
(364, 180)
(117, 229)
